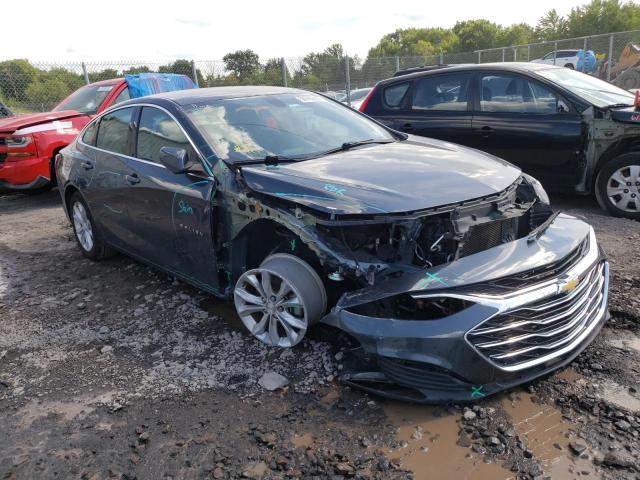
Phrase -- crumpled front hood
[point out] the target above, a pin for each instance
(626, 115)
(11, 124)
(399, 177)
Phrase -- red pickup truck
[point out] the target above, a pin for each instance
(29, 143)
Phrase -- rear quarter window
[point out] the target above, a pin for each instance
(113, 134)
(394, 94)
(89, 135)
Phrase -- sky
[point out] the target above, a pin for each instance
(135, 30)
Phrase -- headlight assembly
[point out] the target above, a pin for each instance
(538, 189)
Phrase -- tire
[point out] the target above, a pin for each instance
(570, 66)
(87, 236)
(280, 300)
(618, 186)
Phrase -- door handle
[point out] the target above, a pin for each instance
(486, 131)
(87, 165)
(132, 179)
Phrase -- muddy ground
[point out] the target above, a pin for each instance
(114, 370)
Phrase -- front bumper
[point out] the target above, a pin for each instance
(24, 174)
(527, 329)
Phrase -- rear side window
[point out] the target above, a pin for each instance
(394, 94)
(157, 129)
(442, 92)
(89, 135)
(113, 132)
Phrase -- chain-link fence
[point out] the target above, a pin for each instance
(37, 86)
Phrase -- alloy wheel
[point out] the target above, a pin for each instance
(280, 300)
(82, 226)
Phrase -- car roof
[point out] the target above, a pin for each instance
(185, 97)
(504, 66)
(111, 81)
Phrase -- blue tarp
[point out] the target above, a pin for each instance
(589, 59)
(143, 84)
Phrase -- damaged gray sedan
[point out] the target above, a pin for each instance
(445, 267)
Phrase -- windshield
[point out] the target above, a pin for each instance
(592, 89)
(292, 125)
(86, 99)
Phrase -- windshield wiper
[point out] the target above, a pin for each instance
(269, 160)
(349, 145)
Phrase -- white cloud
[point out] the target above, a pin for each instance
(120, 30)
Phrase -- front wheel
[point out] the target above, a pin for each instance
(618, 186)
(280, 300)
(87, 237)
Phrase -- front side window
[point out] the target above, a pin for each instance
(442, 92)
(86, 99)
(157, 129)
(514, 94)
(113, 132)
(294, 125)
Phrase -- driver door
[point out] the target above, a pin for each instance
(170, 214)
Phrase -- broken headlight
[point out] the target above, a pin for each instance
(537, 188)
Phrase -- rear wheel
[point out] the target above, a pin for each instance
(280, 300)
(87, 237)
(570, 65)
(618, 186)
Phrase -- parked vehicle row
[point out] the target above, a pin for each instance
(573, 132)
(446, 265)
(29, 143)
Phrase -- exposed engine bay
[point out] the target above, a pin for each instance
(427, 239)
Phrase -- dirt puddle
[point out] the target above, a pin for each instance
(302, 441)
(620, 396)
(625, 340)
(79, 407)
(428, 437)
(547, 435)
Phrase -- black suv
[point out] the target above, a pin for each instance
(572, 131)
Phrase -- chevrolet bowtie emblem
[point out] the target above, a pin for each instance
(569, 285)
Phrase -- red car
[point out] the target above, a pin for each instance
(29, 143)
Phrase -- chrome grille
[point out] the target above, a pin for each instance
(543, 327)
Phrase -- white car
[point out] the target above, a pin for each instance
(563, 58)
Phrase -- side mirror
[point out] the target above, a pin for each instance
(175, 159)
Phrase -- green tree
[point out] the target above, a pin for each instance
(73, 81)
(599, 16)
(551, 26)
(106, 74)
(15, 78)
(476, 35)
(243, 64)
(46, 93)
(517, 34)
(182, 67)
(136, 69)
(415, 42)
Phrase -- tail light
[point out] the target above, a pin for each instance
(363, 105)
(636, 102)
